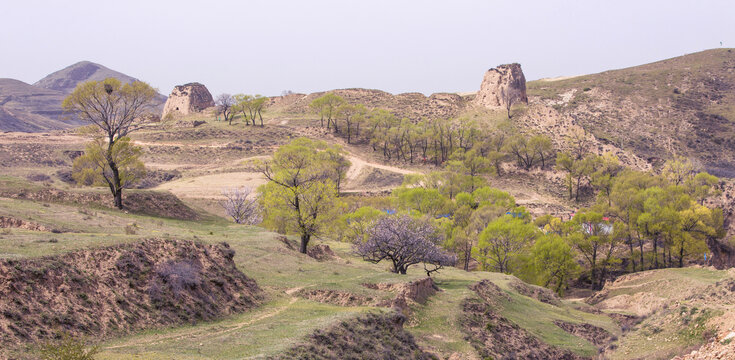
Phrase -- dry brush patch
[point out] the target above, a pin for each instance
(119, 289)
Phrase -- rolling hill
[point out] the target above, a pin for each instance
(37, 107)
(681, 106)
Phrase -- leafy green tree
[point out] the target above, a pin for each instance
(678, 170)
(494, 145)
(577, 171)
(114, 108)
(354, 226)
(473, 165)
(326, 106)
(697, 223)
(243, 105)
(524, 152)
(595, 240)
(543, 147)
(424, 201)
(352, 115)
(299, 197)
(487, 196)
(659, 218)
(502, 242)
(251, 107)
(703, 186)
(627, 199)
(608, 167)
(258, 103)
(552, 261)
(93, 168)
(335, 165)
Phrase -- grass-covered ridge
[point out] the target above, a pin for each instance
(284, 319)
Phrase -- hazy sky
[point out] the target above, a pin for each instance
(398, 46)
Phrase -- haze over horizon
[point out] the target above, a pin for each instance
(409, 46)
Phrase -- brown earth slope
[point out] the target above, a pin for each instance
(684, 105)
(414, 106)
(29, 108)
(118, 289)
(373, 336)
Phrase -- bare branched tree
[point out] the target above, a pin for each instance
(510, 95)
(225, 103)
(242, 207)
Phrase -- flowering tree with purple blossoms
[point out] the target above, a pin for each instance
(404, 241)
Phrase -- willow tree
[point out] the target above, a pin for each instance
(301, 196)
(114, 108)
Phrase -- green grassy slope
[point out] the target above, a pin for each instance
(284, 319)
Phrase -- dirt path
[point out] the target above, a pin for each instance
(168, 144)
(46, 138)
(206, 331)
(358, 164)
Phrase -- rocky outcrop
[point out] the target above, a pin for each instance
(500, 84)
(187, 99)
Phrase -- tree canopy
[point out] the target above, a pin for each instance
(115, 109)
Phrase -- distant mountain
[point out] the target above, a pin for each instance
(66, 79)
(27, 108)
(37, 107)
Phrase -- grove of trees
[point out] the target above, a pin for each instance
(632, 220)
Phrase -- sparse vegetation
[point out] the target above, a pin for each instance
(68, 348)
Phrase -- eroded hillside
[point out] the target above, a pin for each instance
(683, 106)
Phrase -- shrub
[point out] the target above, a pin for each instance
(180, 275)
(39, 177)
(131, 229)
(68, 348)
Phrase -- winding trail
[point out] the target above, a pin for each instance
(358, 164)
(208, 331)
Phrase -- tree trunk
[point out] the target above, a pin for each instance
(681, 256)
(630, 245)
(116, 187)
(118, 199)
(304, 241)
(466, 260)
